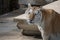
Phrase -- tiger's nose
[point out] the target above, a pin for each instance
(31, 21)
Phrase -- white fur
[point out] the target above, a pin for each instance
(31, 11)
(37, 20)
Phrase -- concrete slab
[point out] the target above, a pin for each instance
(55, 6)
(16, 35)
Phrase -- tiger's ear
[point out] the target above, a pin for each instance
(29, 5)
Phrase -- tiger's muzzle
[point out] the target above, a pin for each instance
(31, 17)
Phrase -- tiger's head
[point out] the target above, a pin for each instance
(34, 14)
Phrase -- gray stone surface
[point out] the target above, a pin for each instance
(16, 35)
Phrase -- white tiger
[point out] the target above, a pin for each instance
(47, 20)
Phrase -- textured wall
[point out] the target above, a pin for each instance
(35, 2)
(8, 5)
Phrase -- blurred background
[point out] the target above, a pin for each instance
(10, 5)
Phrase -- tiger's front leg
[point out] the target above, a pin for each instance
(43, 34)
(45, 37)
